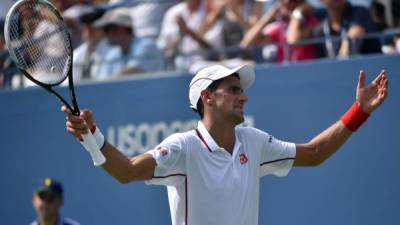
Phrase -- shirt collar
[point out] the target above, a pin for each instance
(209, 142)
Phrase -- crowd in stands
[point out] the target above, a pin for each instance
(163, 35)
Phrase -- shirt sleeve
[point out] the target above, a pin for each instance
(170, 157)
(277, 156)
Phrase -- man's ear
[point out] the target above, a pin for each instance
(206, 97)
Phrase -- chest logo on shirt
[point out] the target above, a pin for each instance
(163, 150)
(243, 158)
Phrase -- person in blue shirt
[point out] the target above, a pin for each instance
(128, 54)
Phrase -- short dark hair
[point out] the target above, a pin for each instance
(211, 88)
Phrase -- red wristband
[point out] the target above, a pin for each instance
(354, 117)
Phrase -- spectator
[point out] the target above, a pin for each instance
(231, 18)
(186, 35)
(47, 200)
(72, 14)
(147, 16)
(71, 19)
(348, 22)
(276, 28)
(237, 16)
(132, 54)
(94, 46)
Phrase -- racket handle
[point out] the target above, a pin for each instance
(89, 142)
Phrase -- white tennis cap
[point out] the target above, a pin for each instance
(206, 76)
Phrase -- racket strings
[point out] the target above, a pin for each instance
(40, 42)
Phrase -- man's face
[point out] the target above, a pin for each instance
(117, 35)
(46, 205)
(229, 100)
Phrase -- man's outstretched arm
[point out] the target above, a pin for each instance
(321, 147)
(119, 166)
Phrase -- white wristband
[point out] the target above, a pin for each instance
(100, 141)
(91, 144)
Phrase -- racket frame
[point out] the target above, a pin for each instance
(74, 109)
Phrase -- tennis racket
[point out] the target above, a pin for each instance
(39, 43)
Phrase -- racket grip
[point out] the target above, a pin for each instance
(89, 142)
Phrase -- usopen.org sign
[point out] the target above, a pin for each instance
(133, 139)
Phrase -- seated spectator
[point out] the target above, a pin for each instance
(147, 16)
(186, 35)
(130, 54)
(92, 50)
(347, 22)
(276, 29)
(71, 18)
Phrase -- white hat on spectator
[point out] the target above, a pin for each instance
(206, 76)
(76, 11)
(119, 17)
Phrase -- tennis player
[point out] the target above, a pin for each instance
(213, 172)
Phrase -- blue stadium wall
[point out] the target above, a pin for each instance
(359, 185)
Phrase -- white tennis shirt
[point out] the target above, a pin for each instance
(209, 186)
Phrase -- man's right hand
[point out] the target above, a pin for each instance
(78, 125)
